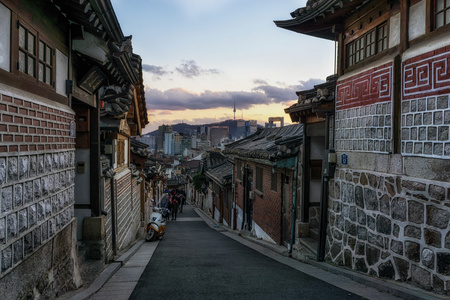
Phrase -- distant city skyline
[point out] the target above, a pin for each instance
(200, 58)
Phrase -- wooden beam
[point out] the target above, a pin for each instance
(404, 25)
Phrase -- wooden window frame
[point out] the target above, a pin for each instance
(358, 49)
(259, 178)
(44, 52)
(445, 11)
(120, 150)
(274, 181)
(39, 42)
(24, 47)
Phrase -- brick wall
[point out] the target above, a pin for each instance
(37, 190)
(266, 205)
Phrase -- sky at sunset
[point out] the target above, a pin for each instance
(201, 56)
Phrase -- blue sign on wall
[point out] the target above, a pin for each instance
(344, 159)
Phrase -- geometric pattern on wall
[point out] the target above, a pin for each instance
(427, 74)
(369, 87)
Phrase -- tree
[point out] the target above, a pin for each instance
(199, 181)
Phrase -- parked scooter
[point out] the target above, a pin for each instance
(157, 225)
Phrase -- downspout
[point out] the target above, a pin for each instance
(324, 198)
(244, 202)
(294, 202)
(233, 198)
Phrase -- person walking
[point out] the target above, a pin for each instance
(174, 208)
(182, 200)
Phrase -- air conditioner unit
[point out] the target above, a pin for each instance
(251, 195)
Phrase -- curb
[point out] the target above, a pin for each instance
(108, 272)
(401, 290)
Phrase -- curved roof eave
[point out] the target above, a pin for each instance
(319, 20)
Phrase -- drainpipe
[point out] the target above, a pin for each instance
(294, 202)
(233, 198)
(324, 198)
(244, 197)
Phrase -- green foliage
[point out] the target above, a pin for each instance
(199, 180)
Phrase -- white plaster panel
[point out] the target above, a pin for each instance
(5, 37)
(260, 234)
(417, 20)
(62, 67)
(394, 31)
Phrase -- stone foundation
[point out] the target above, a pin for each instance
(392, 227)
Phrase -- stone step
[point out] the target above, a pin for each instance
(314, 233)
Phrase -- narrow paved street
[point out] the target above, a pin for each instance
(194, 261)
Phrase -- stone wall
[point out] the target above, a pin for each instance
(37, 194)
(392, 227)
(367, 128)
(364, 111)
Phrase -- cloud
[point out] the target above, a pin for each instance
(179, 99)
(190, 69)
(285, 94)
(260, 81)
(156, 70)
(164, 112)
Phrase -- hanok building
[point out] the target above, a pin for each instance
(219, 178)
(390, 196)
(315, 110)
(264, 172)
(55, 59)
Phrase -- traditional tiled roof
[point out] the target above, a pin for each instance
(212, 159)
(269, 143)
(309, 101)
(94, 25)
(221, 173)
(140, 148)
(318, 17)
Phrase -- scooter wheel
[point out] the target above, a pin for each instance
(150, 235)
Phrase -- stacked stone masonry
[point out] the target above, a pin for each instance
(364, 111)
(366, 128)
(36, 176)
(426, 126)
(425, 104)
(391, 227)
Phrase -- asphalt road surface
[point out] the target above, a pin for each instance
(194, 261)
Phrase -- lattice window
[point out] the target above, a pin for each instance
(441, 13)
(35, 56)
(27, 51)
(367, 45)
(45, 63)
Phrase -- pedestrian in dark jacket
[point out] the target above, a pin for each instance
(174, 208)
(182, 200)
